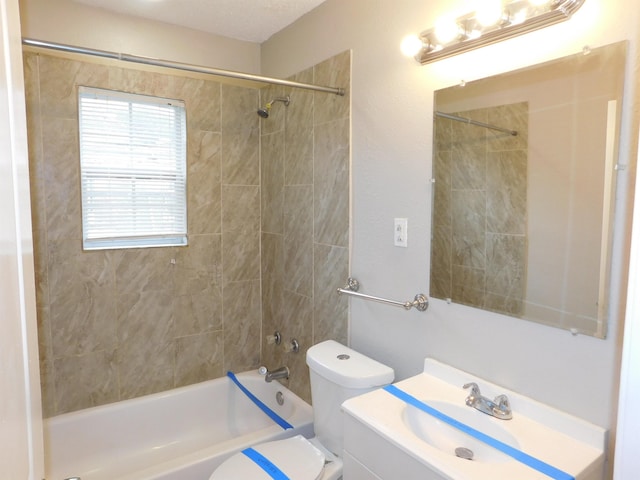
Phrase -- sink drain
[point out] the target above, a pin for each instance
(465, 453)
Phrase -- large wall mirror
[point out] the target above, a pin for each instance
(524, 177)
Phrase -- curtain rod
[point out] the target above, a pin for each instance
(179, 66)
(475, 122)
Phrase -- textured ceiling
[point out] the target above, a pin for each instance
(250, 20)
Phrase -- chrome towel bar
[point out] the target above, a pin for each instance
(420, 301)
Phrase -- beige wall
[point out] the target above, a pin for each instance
(305, 216)
(117, 324)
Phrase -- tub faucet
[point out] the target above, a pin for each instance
(499, 407)
(269, 376)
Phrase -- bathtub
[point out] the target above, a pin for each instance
(181, 434)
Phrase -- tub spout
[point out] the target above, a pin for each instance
(269, 376)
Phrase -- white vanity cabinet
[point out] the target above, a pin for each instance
(354, 469)
(369, 456)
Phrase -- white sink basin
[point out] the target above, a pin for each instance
(449, 439)
(538, 436)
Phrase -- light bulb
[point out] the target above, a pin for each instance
(519, 16)
(411, 45)
(446, 30)
(489, 12)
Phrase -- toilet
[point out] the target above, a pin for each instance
(337, 373)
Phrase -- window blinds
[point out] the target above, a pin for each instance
(133, 170)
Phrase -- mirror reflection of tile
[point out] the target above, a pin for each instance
(521, 223)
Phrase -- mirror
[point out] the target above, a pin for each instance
(524, 177)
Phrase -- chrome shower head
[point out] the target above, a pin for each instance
(264, 111)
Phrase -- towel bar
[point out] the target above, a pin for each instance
(420, 301)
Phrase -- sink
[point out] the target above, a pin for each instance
(386, 433)
(450, 440)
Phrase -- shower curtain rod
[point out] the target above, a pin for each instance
(179, 66)
(475, 122)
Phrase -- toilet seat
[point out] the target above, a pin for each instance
(295, 457)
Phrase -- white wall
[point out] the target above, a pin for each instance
(391, 150)
(627, 461)
(67, 22)
(21, 443)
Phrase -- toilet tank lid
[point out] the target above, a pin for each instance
(346, 367)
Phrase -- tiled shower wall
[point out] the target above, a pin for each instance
(479, 244)
(305, 217)
(117, 324)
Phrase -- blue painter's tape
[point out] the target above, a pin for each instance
(273, 415)
(265, 464)
(519, 455)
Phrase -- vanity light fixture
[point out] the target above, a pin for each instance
(493, 21)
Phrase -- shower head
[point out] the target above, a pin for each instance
(264, 111)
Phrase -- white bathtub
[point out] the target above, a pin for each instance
(182, 434)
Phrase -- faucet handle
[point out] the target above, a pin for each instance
(475, 389)
(263, 370)
(475, 394)
(503, 403)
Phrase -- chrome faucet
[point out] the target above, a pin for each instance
(499, 407)
(269, 376)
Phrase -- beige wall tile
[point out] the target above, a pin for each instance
(330, 310)
(199, 358)
(238, 109)
(331, 183)
(272, 175)
(240, 256)
(142, 371)
(240, 208)
(241, 157)
(59, 81)
(243, 324)
(204, 182)
(333, 71)
(61, 178)
(84, 381)
(116, 324)
(298, 239)
(305, 221)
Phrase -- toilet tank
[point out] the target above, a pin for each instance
(338, 373)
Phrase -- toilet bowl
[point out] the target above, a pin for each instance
(337, 373)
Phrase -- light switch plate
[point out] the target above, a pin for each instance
(400, 226)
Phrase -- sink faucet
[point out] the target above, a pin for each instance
(499, 407)
(269, 376)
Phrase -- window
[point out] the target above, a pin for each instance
(133, 170)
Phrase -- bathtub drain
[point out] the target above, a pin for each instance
(280, 398)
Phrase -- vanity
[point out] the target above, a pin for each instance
(429, 427)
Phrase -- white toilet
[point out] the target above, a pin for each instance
(337, 374)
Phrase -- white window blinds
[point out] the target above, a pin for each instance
(133, 170)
